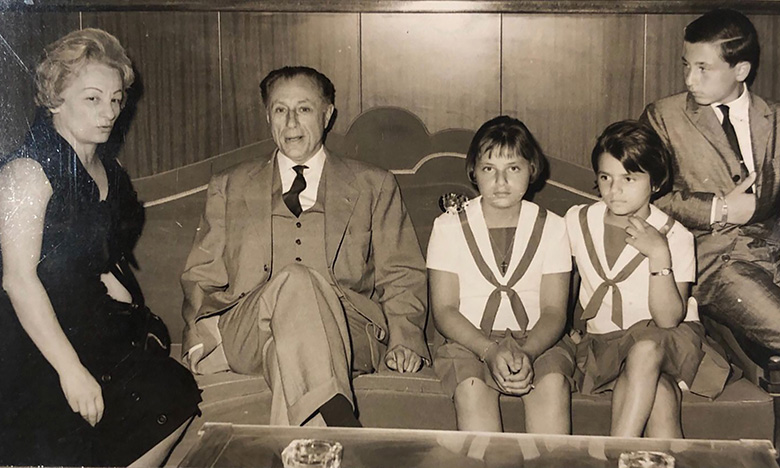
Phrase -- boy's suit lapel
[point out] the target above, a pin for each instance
(760, 129)
(340, 199)
(705, 120)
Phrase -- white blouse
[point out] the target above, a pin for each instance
(448, 251)
(635, 289)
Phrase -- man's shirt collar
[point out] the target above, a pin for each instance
(738, 108)
(314, 164)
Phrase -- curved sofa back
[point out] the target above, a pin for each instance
(426, 166)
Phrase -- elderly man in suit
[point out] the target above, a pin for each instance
(725, 141)
(305, 266)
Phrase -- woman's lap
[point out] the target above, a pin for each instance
(146, 398)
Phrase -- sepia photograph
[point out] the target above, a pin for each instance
(390, 233)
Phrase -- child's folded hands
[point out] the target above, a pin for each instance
(511, 367)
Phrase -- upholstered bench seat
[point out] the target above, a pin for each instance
(426, 165)
(417, 401)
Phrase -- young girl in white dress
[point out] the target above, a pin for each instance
(637, 265)
(499, 278)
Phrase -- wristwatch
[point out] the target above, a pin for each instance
(661, 272)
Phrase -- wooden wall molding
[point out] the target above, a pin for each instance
(566, 76)
(401, 6)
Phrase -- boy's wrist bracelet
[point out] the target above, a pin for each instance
(724, 213)
(485, 352)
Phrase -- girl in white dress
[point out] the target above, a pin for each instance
(637, 264)
(499, 276)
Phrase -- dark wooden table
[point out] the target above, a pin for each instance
(223, 445)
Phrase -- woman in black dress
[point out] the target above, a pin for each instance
(74, 390)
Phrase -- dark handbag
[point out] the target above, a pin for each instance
(147, 330)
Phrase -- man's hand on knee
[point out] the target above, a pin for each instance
(402, 359)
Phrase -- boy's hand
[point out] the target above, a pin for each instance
(650, 242)
(741, 205)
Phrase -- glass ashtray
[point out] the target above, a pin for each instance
(645, 459)
(312, 453)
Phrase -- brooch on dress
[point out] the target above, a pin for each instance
(453, 203)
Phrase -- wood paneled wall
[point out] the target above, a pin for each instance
(22, 39)
(253, 44)
(566, 75)
(177, 102)
(445, 68)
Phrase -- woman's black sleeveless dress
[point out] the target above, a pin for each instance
(146, 397)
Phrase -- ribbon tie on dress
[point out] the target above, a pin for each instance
(598, 295)
(494, 300)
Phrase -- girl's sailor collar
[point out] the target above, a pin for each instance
(596, 214)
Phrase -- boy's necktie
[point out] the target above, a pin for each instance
(291, 198)
(731, 135)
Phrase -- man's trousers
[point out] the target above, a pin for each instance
(297, 333)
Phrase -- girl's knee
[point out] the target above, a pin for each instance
(552, 383)
(551, 391)
(644, 355)
(473, 390)
(476, 403)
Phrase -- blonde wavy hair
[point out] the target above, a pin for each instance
(67, 56)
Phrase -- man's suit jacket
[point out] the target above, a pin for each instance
(704, 167)
(371, 248)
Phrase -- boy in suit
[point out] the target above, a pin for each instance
(726, 187)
